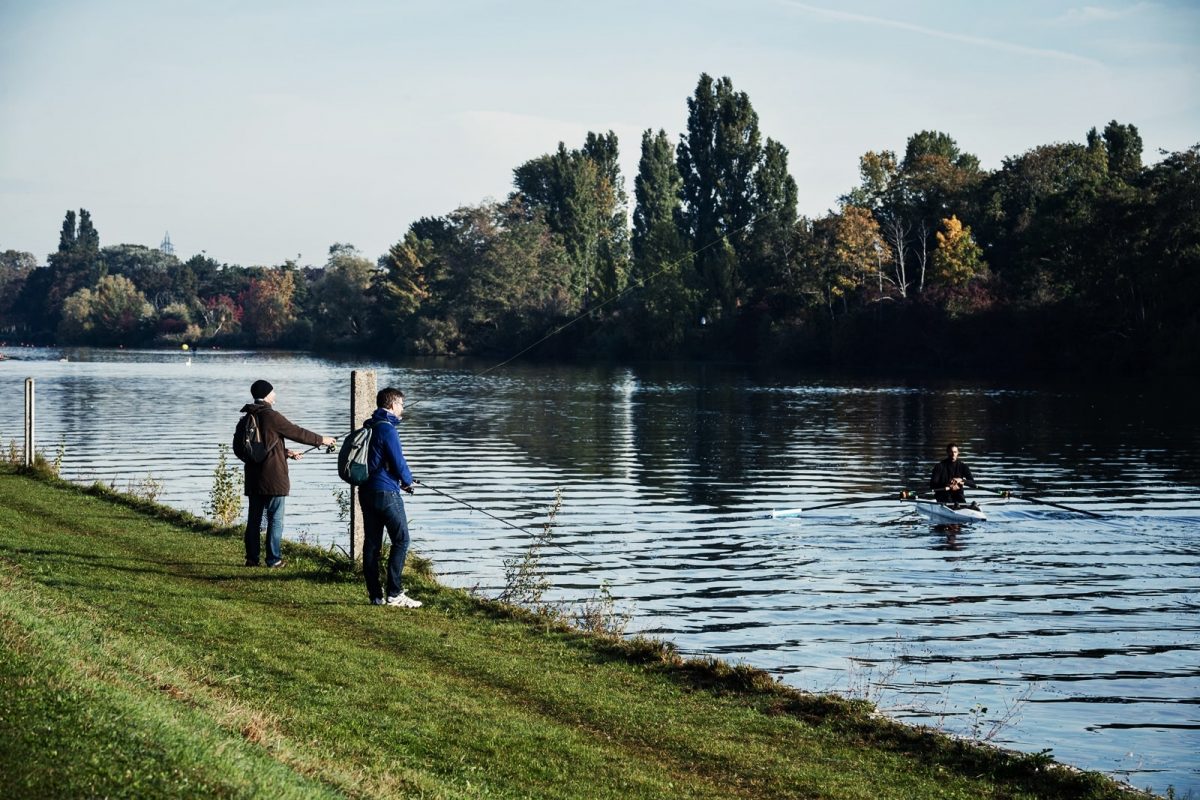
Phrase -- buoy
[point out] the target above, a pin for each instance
(184, 346)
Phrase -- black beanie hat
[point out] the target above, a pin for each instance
(260, 389)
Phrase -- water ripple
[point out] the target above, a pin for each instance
(669, 477)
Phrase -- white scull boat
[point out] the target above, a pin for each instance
(940, 512)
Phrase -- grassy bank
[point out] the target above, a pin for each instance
(140, 659)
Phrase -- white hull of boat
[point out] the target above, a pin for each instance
(938, 512)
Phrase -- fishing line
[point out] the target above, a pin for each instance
(504, 521)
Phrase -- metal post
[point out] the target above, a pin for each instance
(29, 422)
(362, 405)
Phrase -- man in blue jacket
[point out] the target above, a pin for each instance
(381, 503)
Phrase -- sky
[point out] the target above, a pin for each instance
(258, 131)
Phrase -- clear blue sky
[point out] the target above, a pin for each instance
(257, 131)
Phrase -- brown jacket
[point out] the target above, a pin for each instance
(271, 476)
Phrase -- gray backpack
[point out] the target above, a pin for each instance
(355, 453)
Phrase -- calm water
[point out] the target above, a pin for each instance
(1076, 634)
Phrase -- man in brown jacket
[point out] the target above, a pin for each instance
(267, 484)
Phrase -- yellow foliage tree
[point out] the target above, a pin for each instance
(958, 257)
(857, 248)
(267, 305)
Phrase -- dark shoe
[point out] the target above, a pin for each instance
(251, 563)
(377, 601)
(277, 564)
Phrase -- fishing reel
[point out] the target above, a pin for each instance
(329, 448)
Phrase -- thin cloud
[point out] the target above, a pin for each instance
(1087, 15)
(979, 41)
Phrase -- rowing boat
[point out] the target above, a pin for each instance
(940, 512)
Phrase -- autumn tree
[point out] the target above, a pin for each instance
(938, 179)
(115, 312)
(958, 257)
(267, 306)
(882, 191)
(221, 317)
(843, 252)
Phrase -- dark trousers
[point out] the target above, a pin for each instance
(950, 496)
(383, 510)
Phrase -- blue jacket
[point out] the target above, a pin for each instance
(389, 471)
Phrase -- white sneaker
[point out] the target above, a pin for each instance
(403, 601)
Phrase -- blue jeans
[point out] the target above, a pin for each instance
(273, 506)
(383, 510)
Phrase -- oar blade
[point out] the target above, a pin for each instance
(1041, 502)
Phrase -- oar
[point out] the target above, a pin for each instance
(1039, 501)
(795, 512)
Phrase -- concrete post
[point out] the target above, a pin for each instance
(362, 405)
(29, 426)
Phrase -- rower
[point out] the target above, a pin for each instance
(949, 477)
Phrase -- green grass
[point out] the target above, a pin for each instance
(141, 659)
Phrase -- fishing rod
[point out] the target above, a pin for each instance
(503, 521)
(1031, 499)
(328, 448)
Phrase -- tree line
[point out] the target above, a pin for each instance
(1072, 256)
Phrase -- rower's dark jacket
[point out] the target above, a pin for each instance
(271, 476)
(945, 470)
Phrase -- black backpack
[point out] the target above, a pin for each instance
(248, 443)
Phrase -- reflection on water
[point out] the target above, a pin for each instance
(1088, 627)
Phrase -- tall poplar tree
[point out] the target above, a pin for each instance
(613, 250)
(662, 301)
(1123, 145)
(772, 235)
(717, 158)
(657, 194)
(76, 265)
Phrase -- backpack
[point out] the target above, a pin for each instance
(354, 457)
(248, 443)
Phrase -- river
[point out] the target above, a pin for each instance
(1038, 629)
